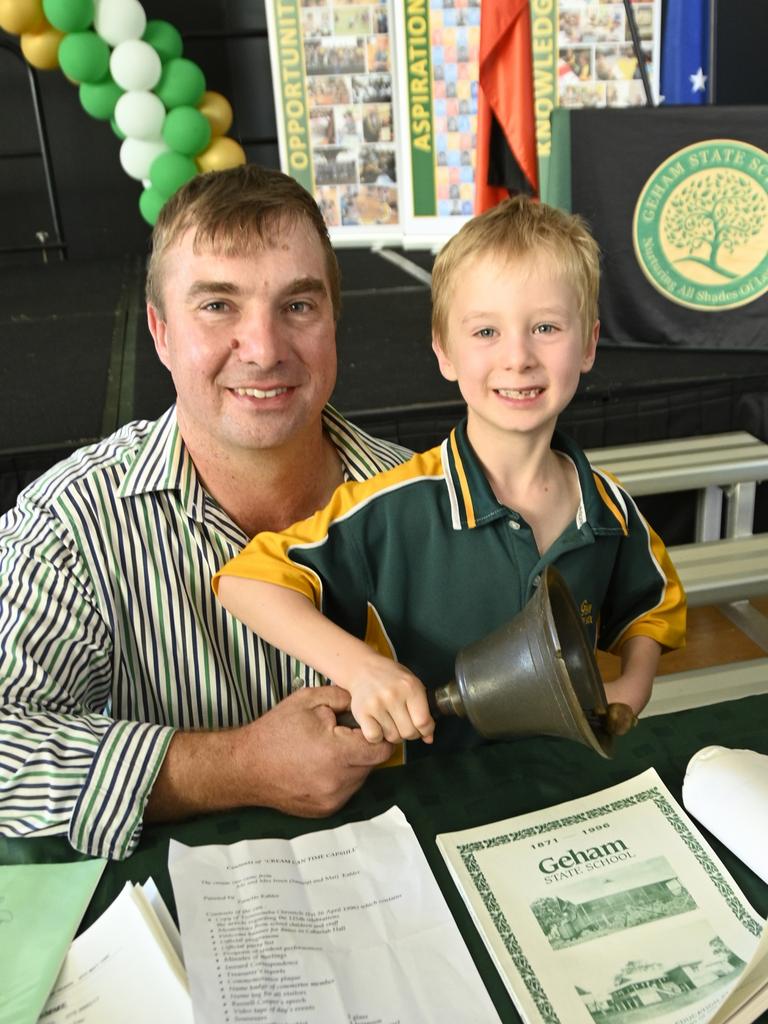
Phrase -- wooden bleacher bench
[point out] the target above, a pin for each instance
(713, 571)
(714, 465)
(716, 572)
(699, 687)
(725, 572)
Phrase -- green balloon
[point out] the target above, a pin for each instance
(181, 84)
(84, 57)
(69, 15)
(165, 38)
(150, 204)
(169, 171)
(186, 130)
(99, 98)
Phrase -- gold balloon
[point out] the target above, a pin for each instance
(20, 16)
(41, 49)
(218, 110)
(221, 154)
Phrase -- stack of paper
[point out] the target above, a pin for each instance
(123, 969)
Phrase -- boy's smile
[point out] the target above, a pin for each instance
(515, 344)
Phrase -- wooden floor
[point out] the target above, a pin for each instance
(712, 640)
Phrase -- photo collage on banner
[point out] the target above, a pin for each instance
(439, 41)
(377, 101)
(583, 57)
(377, 112)
(597, 66)
(455, 36)
(332, 73)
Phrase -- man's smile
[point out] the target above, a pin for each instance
(259, 392)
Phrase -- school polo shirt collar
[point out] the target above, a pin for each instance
(474, 504)
(472, 500)
(602, 507)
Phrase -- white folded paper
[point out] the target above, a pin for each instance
(727, 791)
(345, 924)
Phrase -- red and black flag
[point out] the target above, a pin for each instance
(506, 127)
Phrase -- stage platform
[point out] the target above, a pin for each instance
(78, 361)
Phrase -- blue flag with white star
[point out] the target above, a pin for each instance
(685, 51)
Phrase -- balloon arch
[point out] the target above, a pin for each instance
(131, 72)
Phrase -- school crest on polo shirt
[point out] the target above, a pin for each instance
(700, 228)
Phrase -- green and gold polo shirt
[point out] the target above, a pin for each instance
(423, 559)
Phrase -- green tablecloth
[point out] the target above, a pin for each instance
(445, 793)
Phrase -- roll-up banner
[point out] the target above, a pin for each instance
(377, 102)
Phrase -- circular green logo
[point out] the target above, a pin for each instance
(700, 229)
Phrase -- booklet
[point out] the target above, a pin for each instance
(612, 908)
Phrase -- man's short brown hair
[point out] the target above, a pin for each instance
(520, 228)
(232, 212)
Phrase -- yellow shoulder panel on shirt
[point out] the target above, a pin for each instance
(666, 623)
(267, 556)
(609, 502)
(463, 483)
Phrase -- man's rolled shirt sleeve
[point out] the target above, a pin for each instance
(57, 740)
(108, 814)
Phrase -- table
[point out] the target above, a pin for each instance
(456, 791)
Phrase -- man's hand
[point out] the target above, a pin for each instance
(295, 758)
(310, 764)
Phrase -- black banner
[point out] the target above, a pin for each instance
(678, 199)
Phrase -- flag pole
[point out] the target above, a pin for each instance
(712, 69)
(639, 53)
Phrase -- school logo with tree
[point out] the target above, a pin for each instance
(700, 228)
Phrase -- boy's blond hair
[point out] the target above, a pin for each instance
(234, 212)
(519, 228)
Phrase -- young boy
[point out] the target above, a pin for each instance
(411, 566)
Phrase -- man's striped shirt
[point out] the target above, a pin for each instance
(111, 637)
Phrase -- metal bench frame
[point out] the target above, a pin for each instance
(718, 466)
(700, 687)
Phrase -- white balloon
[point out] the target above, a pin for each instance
(136, 156)
(135, 65)
(140, 115)
(118, 20)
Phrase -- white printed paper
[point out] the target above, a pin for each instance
(342, 925)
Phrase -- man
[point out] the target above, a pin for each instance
(126, 692)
